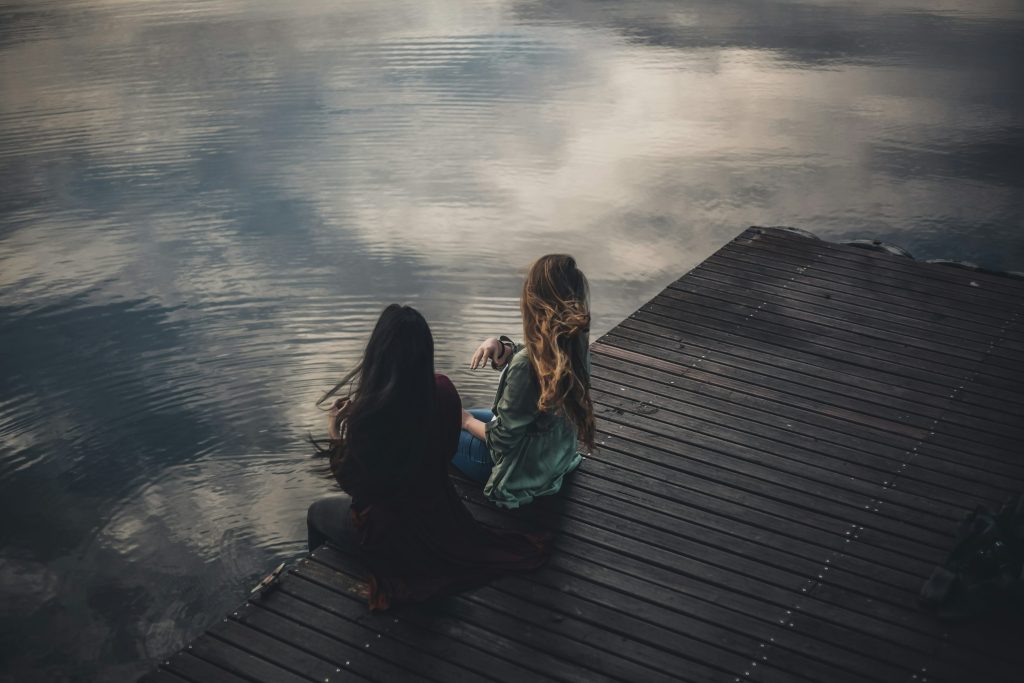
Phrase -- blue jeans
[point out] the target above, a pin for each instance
(472, 456)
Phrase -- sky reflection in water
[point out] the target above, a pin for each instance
(204, 206)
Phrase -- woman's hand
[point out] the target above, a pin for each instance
(332, 418)
(490, 350)
(467, 418)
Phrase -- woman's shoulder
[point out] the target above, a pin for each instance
(520, 370)
(520, 360)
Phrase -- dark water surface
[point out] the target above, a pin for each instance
(205, 204)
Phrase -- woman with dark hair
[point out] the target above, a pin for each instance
(525, 445)
(391, 439)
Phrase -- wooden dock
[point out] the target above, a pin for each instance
(789, 435)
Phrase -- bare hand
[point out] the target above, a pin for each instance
(490, 350)
(332, 417)
(336, 406)
(467, 417)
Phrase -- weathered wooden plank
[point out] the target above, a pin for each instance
(815, 285)
(786, 502)
(758, 382)
(466, 633)
(751, 517)
(854, 285)
(272, 648)
(852, 386)
(823, 670)
(919, 396)
(629, 616)
(736, 499)
(888, 272)
(412, 662)
(587, 532)
(632, 392)
(308, 647)
(825, 630)
(656, 417)
(769, 613)
(688, 298)
(815, 424)
(579, 622)
(893, 426)
(846, 497)
(243, 661)
(833, 458)
(703, 317)
(863, 358)
(703, 339)
(794, 293)
(802, 571)
(197, 670)
(164, 676)
(908, 488)
(560, 640)
(787, 553)
(727, 307)
(433, 639)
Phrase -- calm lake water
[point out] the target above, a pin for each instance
(204, 205)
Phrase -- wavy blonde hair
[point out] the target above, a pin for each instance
(556, 318)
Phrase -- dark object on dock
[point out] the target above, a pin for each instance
(789, 437)
(984, 574)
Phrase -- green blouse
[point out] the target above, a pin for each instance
(532, 451)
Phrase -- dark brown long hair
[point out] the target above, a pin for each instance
(556, 318)
(381, 425)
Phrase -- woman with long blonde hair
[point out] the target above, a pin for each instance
(525, 445)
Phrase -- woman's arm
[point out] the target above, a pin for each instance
(514, 412)
(473, 425)
(495, 350)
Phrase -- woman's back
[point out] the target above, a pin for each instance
(532, 450)
(421, 540)
(391, 440)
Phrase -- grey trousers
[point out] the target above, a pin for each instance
(327, 520)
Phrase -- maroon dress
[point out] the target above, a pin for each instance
(423, 541)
